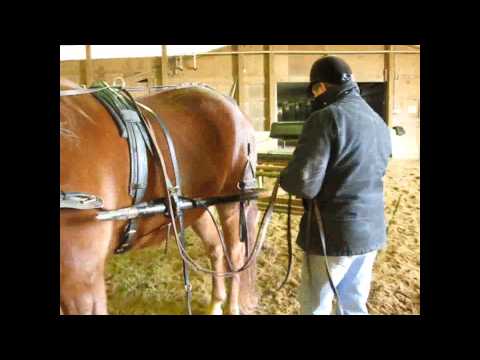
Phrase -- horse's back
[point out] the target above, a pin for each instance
(210, 134)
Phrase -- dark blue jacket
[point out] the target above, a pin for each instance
(340, 160)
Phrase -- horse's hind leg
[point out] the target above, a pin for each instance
(229, 217)
(205, 229)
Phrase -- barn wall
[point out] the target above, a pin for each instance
(221, 72)
(406, 106)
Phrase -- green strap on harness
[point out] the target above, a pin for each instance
(112, 96)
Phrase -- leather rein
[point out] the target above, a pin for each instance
(82, 91)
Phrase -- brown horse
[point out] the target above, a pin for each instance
(210, 135)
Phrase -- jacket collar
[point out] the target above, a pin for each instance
(335, 94)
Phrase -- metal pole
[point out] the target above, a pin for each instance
(271, 110)
(390, 78)
(89, 78)
(241, 95)
(309, 52)
(164, 66)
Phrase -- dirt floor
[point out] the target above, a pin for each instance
(149, 281)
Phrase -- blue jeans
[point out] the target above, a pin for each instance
(351, 275)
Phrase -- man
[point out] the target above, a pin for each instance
(340, 161)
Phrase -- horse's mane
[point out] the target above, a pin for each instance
(69, 109)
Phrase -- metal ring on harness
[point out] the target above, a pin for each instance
(79, 201)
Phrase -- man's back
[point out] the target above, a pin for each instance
(353, 184)
(340, 161)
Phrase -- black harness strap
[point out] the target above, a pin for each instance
(132, 127)
(174, 192)
(115, 116)
(186, 278)
(138, 175)
(289, 242)
(324, 248)
(171, 147)
(244, 185)
(307, 244)
(243, 228)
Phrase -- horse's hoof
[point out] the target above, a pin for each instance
(234, 311)
(215, 309)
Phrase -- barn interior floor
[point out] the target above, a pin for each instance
(149, 281)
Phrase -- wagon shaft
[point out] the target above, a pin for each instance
(159, 206)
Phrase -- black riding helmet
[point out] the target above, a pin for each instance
(329, 69)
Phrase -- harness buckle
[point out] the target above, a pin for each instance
(247, 184)
(173, 190)
(139, 186)
(131, 232)
(87, 200)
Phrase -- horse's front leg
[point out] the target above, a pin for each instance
(205, 229)
(83, 293)
(82, 262)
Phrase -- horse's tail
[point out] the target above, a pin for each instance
(248, 298)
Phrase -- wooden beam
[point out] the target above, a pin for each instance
(390, 79)
(241, 93)
(271, 91)
(89, 74)
(164, 67)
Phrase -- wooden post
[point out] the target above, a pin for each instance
(270, 86)
(390, 78)
(241, 95)
(89, 75)
(164, 67)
